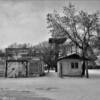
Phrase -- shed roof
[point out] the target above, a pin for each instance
(72, 56)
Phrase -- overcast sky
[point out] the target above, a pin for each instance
(24, 21)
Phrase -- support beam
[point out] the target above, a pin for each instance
(26, 69)
(61, 72)
(6, 69)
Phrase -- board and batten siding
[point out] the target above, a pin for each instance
(66, 67)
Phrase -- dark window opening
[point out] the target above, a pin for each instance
(74, 65)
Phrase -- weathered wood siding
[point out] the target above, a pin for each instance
(66, 67)
(16, 69)
(2, 68)
(35, 68)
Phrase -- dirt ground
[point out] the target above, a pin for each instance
(51, 87)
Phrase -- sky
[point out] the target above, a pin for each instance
(24, 21)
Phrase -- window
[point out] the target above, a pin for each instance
(74, 65)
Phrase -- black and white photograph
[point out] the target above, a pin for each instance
(49, 49)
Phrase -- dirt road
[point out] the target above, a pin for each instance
(51, 87)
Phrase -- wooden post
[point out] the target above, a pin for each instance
(61, 71)
(6, 69)
(76, 49)
(26, 69)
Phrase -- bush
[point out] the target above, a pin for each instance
(94, 67)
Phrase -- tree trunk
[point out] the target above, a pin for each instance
(87, 74)
(56, 68)
(83, 68)
(85, 64)
(48, 68)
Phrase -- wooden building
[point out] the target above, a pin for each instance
(70, 65)
(20, 63)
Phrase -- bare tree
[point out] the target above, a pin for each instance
(78, 26)
(47, 54)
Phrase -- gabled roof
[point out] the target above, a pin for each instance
(72, 56)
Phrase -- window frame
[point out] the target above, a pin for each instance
(74, 65)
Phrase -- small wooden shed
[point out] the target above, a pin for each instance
(70, 65)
